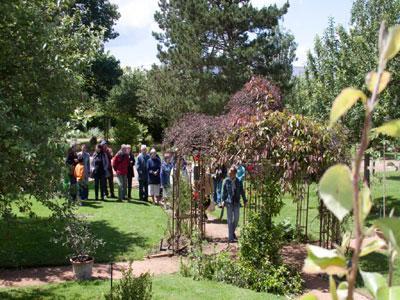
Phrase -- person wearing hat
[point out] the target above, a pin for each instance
(154, 169)
(131, 171)
(141, 168)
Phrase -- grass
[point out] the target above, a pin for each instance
(130, 230)
(173, 287)
(288, 212)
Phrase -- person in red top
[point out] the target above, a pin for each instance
(120, 163)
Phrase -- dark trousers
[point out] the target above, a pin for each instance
(73, 188)
(110, 181)
(83, 189)
(143, 189)
(130, 185)
(100, 182)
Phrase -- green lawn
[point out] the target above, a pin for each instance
(173, 287)
(130, 230)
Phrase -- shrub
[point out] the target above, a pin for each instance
(131, 287)
(265, 277)
(259, 239)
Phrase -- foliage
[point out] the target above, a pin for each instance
(100, 15)
(44, 53)
(211, 48)
(131, 287)
(296, 147)
(277, 279)
(128, 130)
(125, 96)
(260, 239)
(341, 191)
(341, 58)
(77, 236)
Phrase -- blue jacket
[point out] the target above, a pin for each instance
(231, 192)
(154, 168)
(166, 169)
(141, 166)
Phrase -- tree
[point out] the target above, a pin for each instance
(340, 58)
(100, 15)
(212, 47)
(44, 52)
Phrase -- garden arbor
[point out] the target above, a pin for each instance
(282, 152)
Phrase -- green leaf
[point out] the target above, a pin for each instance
(373, 246)
(372, 79)
(336, 190)
(308, 296)
(391, 128)
(388, 293)
(346, 99)
(320, 260)
(373, 282)
(365, 201)
(392, 45)
(390, 228)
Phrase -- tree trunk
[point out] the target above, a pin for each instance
(367, 158)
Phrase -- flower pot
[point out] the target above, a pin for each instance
(82, 269)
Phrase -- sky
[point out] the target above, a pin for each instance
(136, 47)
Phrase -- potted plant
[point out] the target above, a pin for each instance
(83, 244)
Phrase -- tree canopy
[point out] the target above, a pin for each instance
(44, 54)
(340, 58)
(213, 47)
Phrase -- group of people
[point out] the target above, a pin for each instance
(154, 176)
(102, 165)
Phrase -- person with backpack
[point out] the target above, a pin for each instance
(84, 154)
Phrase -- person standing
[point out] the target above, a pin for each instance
(120, 164)
(71, 161)
(131, 171)
(110, 178)
(141, 167)
(79, 174)
(218, 177)
(100, 170)
(232, 191)
(84, 194)
(154, 170)
(165, 176)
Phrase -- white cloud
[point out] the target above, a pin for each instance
(137, 14)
